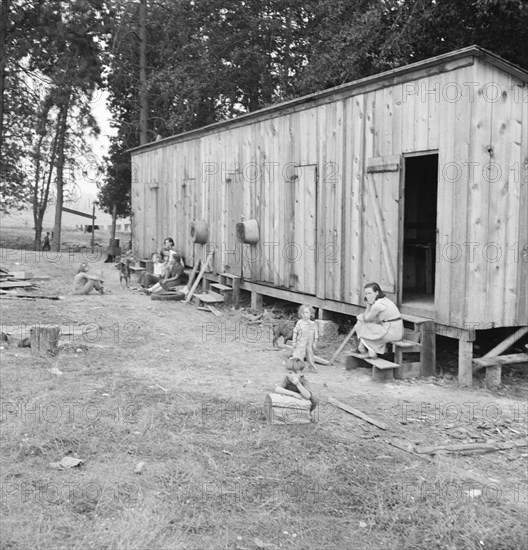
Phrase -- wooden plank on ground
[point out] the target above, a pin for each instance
(212, 309)
(357, 413)
(6, 294)
(15, 284)
(408, 447)
(20, 275)
(482, 447)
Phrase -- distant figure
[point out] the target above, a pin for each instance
(46, 245)
(84, 283)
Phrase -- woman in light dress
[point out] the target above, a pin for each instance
(381, 323)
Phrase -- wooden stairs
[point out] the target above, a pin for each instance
(419, 339)
(226, 291)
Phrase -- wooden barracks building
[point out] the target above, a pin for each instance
(416, 178)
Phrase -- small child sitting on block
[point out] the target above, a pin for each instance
(294, 384)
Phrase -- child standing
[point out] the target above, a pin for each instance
(158, 267)
(295, 384)
(305, 336)
(46, 247)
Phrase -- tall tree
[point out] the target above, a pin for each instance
(55, 48)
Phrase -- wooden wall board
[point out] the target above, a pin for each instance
(480, 195)
(343, 133)
(501, 214)
(520, 168)
(354, 243)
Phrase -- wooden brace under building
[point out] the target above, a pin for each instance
(416, 178)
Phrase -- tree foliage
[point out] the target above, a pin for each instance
(209, 60)
(54, 65)
(212, 60)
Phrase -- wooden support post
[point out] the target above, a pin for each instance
(352, 362)
(493, 376)
(428, 351)
(236, 292)
(256, 300)
(465, 363)
(45, 340)
(324, 314)
(382, 375)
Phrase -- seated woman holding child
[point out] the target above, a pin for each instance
(168, 270)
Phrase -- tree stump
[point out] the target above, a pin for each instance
(45, 340)
(284, 409)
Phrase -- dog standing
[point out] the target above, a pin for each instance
(124, 271)
(282, 328)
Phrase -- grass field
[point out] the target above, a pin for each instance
(178, 455)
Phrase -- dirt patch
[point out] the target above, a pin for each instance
(182, 391)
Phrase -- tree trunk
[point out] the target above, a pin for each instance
(45, 340)
(143, 98)
(4, 9)
(62, 128)
(114, 222)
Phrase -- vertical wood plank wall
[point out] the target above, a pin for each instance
(262, 169)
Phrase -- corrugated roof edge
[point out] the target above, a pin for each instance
(470, 51)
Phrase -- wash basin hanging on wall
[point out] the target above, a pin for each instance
(248, 231)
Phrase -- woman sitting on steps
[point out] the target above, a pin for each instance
(381, 323)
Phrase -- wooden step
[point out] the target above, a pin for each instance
(210, 298)
(230, 276)
(220, 286)
(415, 319)
(355, 354)
(381, 364)
(499, 359)
(407, 344)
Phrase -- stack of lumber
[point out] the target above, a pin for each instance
(16, 279)
(10, 280)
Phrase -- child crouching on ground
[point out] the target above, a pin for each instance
(296, 385)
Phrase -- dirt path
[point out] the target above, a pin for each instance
(175, 346)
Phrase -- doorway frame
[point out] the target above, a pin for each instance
(405, 156)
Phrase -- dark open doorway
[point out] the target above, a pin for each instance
(419, 235)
